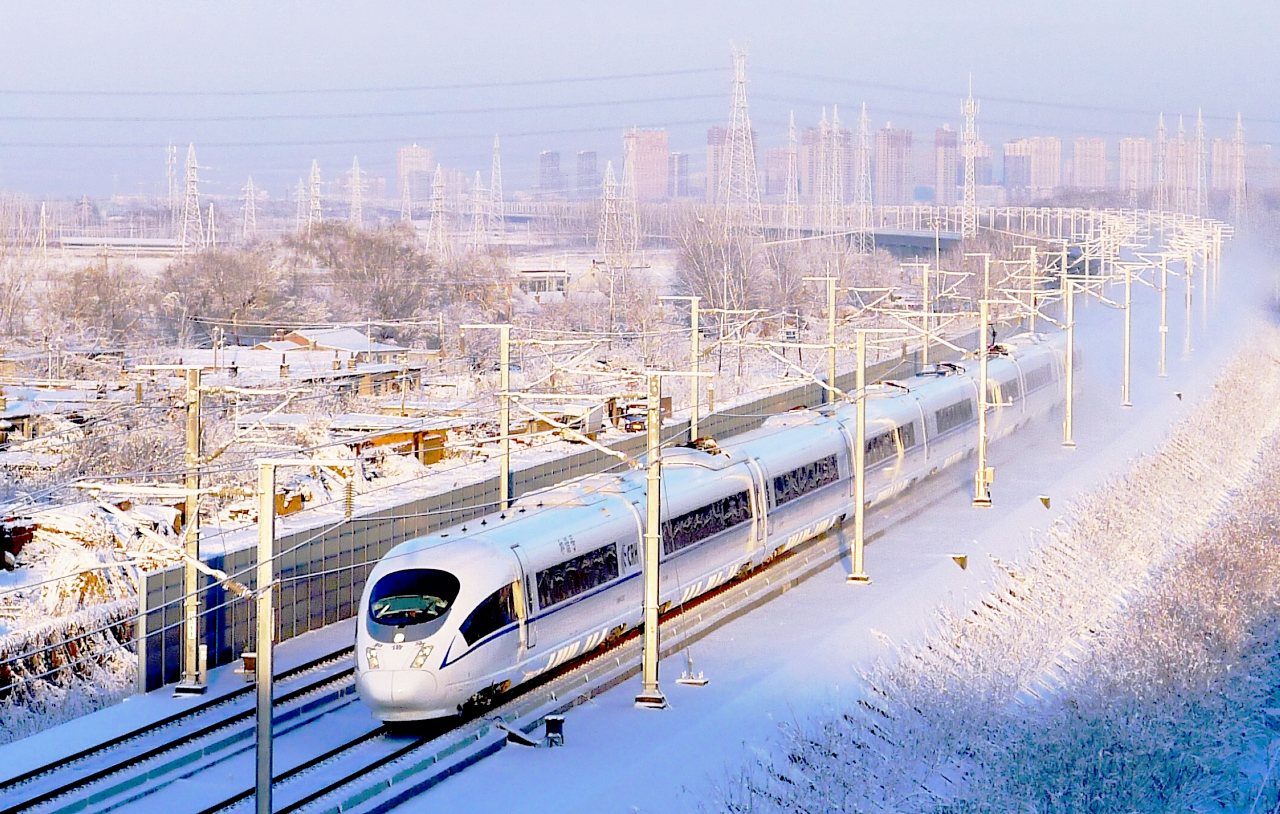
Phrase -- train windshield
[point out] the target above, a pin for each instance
(412, 597)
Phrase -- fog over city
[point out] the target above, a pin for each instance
(1065, 69)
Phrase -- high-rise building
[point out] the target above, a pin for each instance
(1259, 171)
(1089, 163)
(775, 171)
(893, 182)
(813, 159)
(648, 149)
(415, 168)
(1046, 164)
(1135, 164)
(983, 166)
(550, 179)
(946, 154)
(678, 175)
(715, 152)
(587, 184)
(1017, 164)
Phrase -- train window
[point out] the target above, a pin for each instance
(880, 447)
(494, 613)
(1038, 378)
(804, 479)
(412, 596)
(954, 415)
(582, 573)
(699, 524)
(1007, 391)
(908, 433)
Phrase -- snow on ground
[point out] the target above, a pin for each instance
(801, 654)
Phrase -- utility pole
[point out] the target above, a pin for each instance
(1164, 313)
(1128, 333)
(858, 576)
(650, 694)
(504, 409)
(831, 334)
(263, 669)
(1189, 261)
(191, 682)
(984, 475)
(1068, 424)
(693, 362)
(926, 314)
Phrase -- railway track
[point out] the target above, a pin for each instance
(159, 748)
(370, 768)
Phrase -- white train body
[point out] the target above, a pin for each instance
(476, 609)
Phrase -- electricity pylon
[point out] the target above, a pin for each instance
(191, 232)
(864, 239)
(629, 201)
(438, 233)
(740, 186)
(497, 207)
(314, 213)
(249, 211)
(1181, 204)
(171, 174)
(791, 206)
(611, 240)
(357, 194)
(969, 143)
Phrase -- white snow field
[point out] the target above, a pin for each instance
(803, 654)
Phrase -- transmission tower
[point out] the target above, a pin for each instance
(1202, 177)
(629, 203)
(791, 207)
(479, 228)
(357, 194)
(864, 239)
(835, 174)
(497, 207)
(1160, 183)
(211, 234)
(171, 174)
(969, 211)
(438, 233)
(314, 213)
(740, 185)
(406, 200)
(610, 241)
(190, 233)
(1239, 201)
(1181, 202)
(249, 211)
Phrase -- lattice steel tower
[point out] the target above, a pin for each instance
(610, 239)
(191, 232)
(864, 239)
(740, 185)
(438, 233)
(1181, 193)
(791, 205)
(969, 144)
(249, 210)
(497, 206)
(629, 200)
(314, 212)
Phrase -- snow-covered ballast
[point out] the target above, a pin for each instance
(460, 616)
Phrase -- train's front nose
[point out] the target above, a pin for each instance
(400, 645)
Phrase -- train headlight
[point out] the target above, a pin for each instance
(371, 655)
(420, 660)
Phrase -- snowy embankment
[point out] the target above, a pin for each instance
(1128, 666)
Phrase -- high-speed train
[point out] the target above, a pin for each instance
(460, 616)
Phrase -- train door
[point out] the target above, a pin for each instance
(524, 586)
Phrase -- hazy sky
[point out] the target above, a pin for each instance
(1083, 67)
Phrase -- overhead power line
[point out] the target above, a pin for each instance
(507, 83)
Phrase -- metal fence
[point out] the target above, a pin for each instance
(323, 572)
